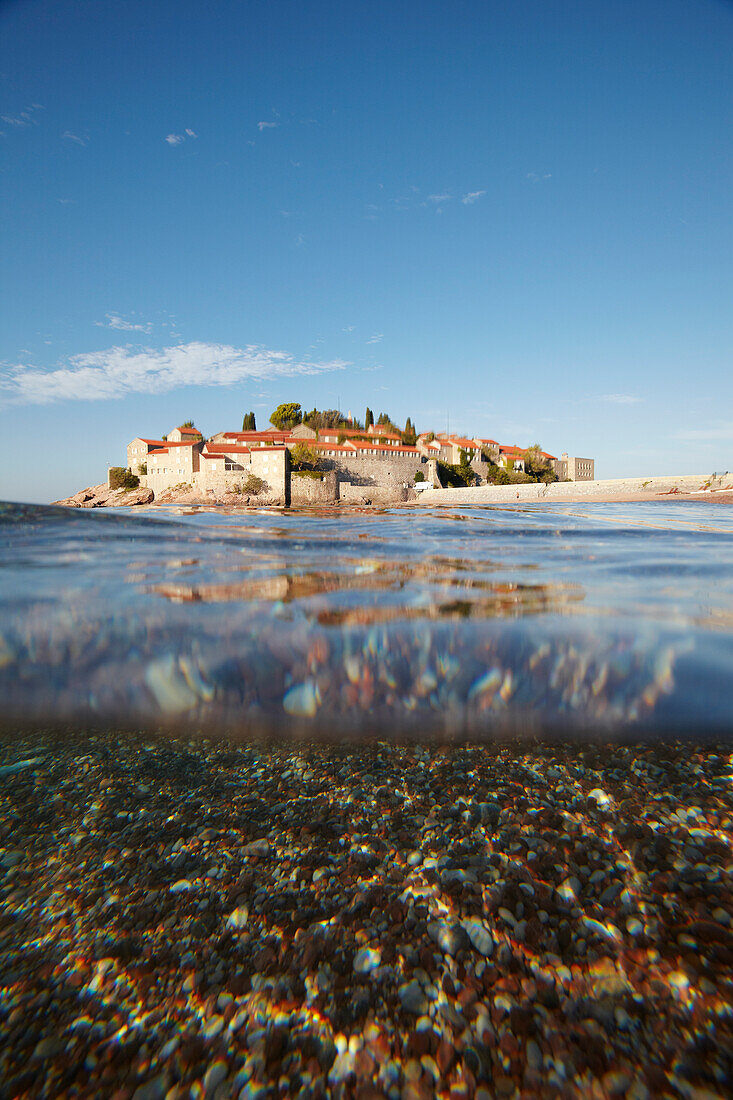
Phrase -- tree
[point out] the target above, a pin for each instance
(537, 466)
(249, 424)
(409, 436)
(121, 478)
(318, 419)
(287, 416)
(466, 470)
(368, 419)
(187, 424)
(303, 457)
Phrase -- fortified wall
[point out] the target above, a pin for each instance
(313, 490)
(373, 471)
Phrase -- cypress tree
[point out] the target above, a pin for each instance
(369, 418)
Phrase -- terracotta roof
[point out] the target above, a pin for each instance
(467, 444)
(216, 450)
(321, 445)
(152, 442)
(254, 437)
(187, 431)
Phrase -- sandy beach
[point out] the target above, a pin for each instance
(184, 919)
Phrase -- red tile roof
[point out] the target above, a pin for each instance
(466, 444)
(216, 450)
(255, 437)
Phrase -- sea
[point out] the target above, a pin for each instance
(373, 804)
(579, 620)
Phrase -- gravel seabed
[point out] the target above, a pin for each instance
(208, 919)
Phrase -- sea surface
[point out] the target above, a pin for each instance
(607, 620)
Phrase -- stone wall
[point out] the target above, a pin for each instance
(371, 494)
(309, 490)
(571, 490)
(373, 471)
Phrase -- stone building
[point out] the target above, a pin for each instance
(354, 464)
(569, 468)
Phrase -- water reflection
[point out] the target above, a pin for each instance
(444, 624)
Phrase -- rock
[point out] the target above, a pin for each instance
(601, 799)
(450, 938)
(169, 687)
(534, 1055)
(182, 886)
(261, 847)
(366, 960)
(213, 1027)
(413, 998)
(238, 918)
(101, 496)
(480, 937)
(154, 1089)
(49, 1047)
(569, 889)
(303, 700)
(342, 1066)
(215, 1074)
(12, 859)
(21, 765)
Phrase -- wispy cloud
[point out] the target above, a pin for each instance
(721, 430)
(113, 320)
(471, 197)
(266, 126)
(620, 398)
(437, 199)
(74, 137)
(119, 371)
(178, 139)
(26, 117)
(376, 338)
(537, 176)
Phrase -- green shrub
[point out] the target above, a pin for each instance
(455, 477)
(121, 478)
(303, 457)
(419, 476)
(497, 475)
(307, 473)
(253, 485)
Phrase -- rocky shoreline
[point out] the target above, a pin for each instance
(101, 496)
(183, 919)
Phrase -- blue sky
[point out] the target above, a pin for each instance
(512, 218)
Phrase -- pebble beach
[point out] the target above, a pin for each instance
(199, 918)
